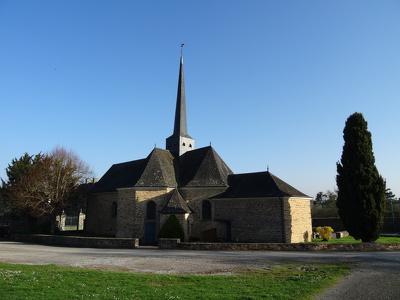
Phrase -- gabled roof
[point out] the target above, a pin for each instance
(157, 170)
(261, 184)
(203, 168)
(176, 204)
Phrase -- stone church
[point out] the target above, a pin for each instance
(135, 198)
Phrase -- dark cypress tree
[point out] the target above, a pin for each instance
(361, 189)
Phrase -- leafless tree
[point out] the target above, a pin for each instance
(51, 184)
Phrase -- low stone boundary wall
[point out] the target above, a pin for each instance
(175, 244)
(79, 242)
(279, 247)
(164, 243)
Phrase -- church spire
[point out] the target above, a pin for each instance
(180, 125)
(180, 141)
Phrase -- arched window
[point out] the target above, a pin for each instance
(206, 210)
(151, 210)
(114, 210)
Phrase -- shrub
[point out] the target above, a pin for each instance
(172, 229)
(325, 232)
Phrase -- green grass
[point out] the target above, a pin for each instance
(274, 282)
(349, 239)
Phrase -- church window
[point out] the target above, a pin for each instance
(206, 210)
(114, 210)
(190, 145)
(151, 210)
(183, 144)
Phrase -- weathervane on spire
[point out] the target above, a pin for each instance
(182, 44)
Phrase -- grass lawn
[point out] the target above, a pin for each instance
(274, 282)
(349, 239)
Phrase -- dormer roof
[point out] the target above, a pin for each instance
(176, 204)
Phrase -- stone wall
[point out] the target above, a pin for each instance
(270, 220)
(79, 242)
(298, 227)
(160, 197)
(99, 220)
(196, 226)
(281, 246)
(175, 244)
(132, 205)
(127, 215)
(252, 219)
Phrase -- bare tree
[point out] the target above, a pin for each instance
(51, 184)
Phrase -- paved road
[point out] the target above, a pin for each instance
(376, 277)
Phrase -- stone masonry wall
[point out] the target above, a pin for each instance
(298, 226)
(76, 241)
(253, 219)
(284, 246)
(132, 210)
(98, 217)
(92, 242)
(195, 224)
(160, 197)
(126, 213)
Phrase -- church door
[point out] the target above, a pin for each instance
(149, 233)
(150, 224)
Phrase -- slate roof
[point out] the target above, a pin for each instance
(180, 124)
(260, 184)
(157, 169)
(197, 168)
(176, 204)
(203, 167)
(120, 175)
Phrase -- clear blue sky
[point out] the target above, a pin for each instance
(269, 83)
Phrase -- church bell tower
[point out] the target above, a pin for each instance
(180, 141)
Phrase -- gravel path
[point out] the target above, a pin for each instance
(153, 260)
(376, 276)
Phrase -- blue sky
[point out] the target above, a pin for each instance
(268, 83)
